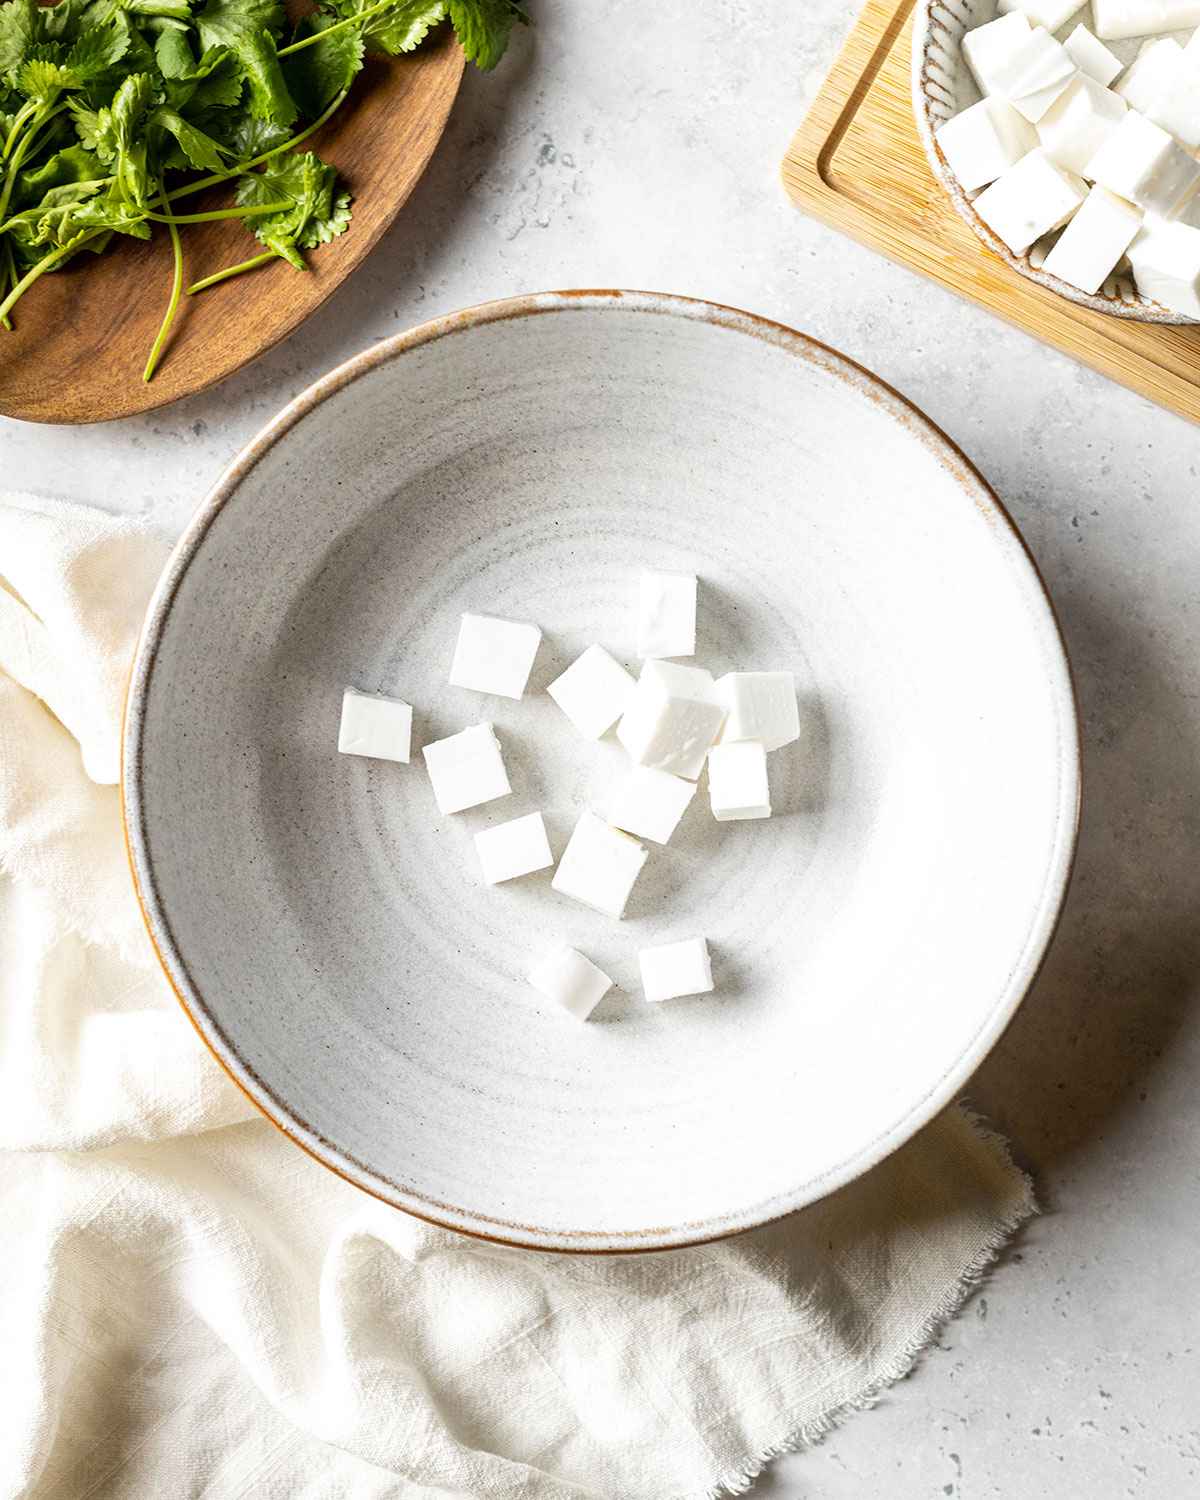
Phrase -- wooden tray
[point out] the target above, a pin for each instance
(857, 163)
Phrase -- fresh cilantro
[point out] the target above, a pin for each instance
(316, 214)
(110, 108)
(484, 27)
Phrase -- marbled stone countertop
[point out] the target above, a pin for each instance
(636, 145)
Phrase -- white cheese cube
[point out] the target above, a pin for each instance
(1079, 122)
(1091, 56)
(1033, 78)
(666, 614)
(1178, 111)
(572, 981)
(494, 656)
(376, 726)
(989, 49)
(1166, 265)
(984, 141)
(1141, 162)
(1048, 13)
(674, 969)
(1116, 19)
(466, 769)
(1151, 76)
(1094, 241)
(761, 706)
(737, 781)
(1030, 200)
(599, 866)
(593, 692)
(672, 718)
(515, 848)
(650, 803)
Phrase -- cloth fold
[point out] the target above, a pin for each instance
(193, 1306)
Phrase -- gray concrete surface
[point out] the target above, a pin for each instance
(634, 145)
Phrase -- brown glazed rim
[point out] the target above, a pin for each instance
(1026, 965)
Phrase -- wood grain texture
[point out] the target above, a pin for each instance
(857, 163)
(81, 336)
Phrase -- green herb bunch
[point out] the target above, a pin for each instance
(109, 109)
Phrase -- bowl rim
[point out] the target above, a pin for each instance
(1026, 967)
(1140, 310)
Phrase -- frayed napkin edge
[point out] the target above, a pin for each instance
(974, 1275)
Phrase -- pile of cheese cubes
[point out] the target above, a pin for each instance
(1066, 135)
(672, 721)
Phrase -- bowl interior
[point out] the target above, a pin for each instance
(330, 931)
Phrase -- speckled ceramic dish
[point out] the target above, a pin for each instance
(942, 86)
(329, 933)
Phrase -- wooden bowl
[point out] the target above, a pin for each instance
(942, 86)
(81, 336)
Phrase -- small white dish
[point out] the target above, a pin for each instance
(327, 930)
(942, 86)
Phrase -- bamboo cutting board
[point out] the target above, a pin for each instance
(857, 163)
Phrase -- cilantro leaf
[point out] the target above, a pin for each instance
(122, 131)
(317, 74)
(484, 27)
(248, 137)
(248, 28)
(199, 149)
(95, 51)
(315, 214)
(71, 165)
(173, 54)
(18, 32)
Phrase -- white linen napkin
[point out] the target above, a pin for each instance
(191, 1306)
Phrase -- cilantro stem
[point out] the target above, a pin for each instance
(250, 211)
(355, 20)
(21, 152)
(245, 265)
(30, 107)
(8, 279)
(176, 289)
(241, 167)
(47, 263)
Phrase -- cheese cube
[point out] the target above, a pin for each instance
(599, 866)
(494, 656)
(1116, 19)
(572, 981)
(1048, 13)
(1094, 241)
(376, 726)
(984, 141)
(666, 614)
(989, 49)
(672, 718)
(1091, 56)
(1030, 200)
(674, 969)
(466, 769)
(517, 847)
(1178, 111)
(761, 706)
(650, 803)
(1166, 265)
(1151, 76)
(1035, 75)
(593, 692)
(1141, 162)
(1078, 123)
(737, 781)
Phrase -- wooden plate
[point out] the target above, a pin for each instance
(81, 336)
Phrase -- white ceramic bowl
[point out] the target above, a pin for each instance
(942, 86)
(329, 933)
